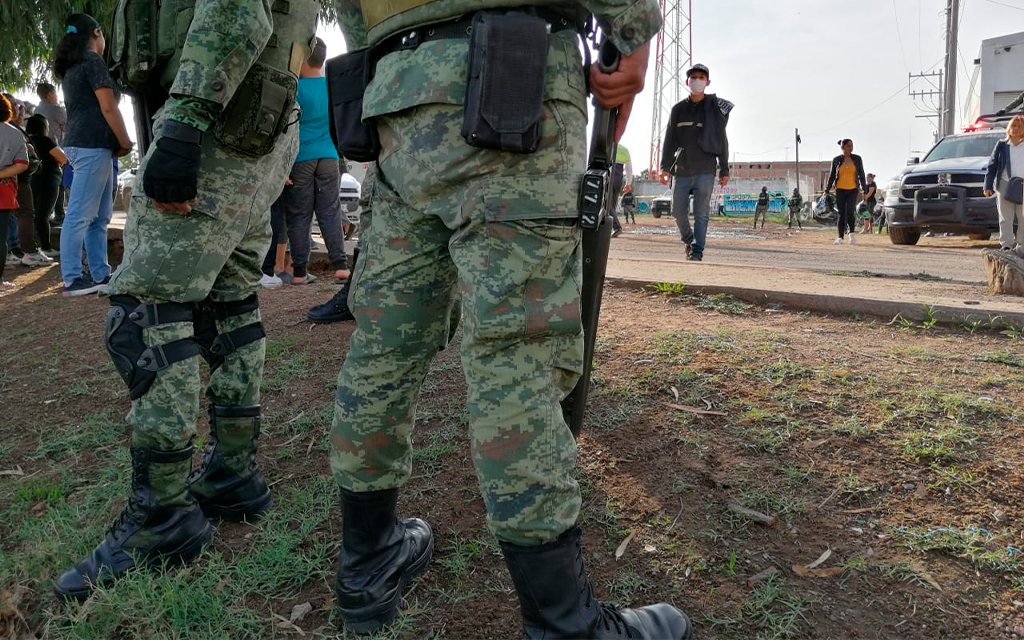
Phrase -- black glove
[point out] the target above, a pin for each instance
(171, 174)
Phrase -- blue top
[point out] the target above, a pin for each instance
(314, 131)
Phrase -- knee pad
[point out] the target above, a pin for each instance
(135, 361)
(215, 345)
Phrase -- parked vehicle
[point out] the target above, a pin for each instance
(349, 194)
(125, 183)
(944, 192)
(661, 207)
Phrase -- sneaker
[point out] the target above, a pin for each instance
(36, 260)
(837, 241)
(285, 277)
(13, 260)
(81, 287)
(687, 251)
(50, 253)
(695, 257)
(853, 239)
(616, 233)
(270, 282)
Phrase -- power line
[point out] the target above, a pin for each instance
(1003, 4)
(865, 112)
(899, 36)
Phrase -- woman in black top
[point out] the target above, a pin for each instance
(46, 180)
(846, 176)
(95, 134)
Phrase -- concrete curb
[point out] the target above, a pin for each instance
(845, 306)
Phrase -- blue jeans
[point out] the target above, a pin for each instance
(700, 186)
(89, 210)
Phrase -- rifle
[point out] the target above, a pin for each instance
(595, 204)
(145, 104)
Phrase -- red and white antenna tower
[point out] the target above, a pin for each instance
(672, 57)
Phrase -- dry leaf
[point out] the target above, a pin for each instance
(764, 575)
(625, 543)
(12, 472)
(756, 516)
(821, 559)
(867, 510)
(924, 574)
(285, 623)
(299, 612)
(700, 412)
(805, 572)
(675, 392)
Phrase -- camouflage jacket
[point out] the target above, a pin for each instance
(437, 74)
(225, 38)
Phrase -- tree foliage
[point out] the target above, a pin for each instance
(32, 28)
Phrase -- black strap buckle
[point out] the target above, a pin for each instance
(150, 315)
(161, 356)
(230, 342)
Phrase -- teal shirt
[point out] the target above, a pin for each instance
(314, 130)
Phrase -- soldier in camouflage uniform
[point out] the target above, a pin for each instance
(502, 229)
(195, 238)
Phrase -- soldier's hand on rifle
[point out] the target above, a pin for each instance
(619, 88)
(170, 178)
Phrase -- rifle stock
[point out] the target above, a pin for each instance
(595, 204)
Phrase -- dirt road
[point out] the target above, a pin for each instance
(733, 242)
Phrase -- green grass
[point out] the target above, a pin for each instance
(1002, 357)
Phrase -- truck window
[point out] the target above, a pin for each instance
(969, 146)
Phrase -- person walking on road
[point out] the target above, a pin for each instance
(495, 218)
(696, 147)
(796, 202)
(761, 207)
(1005, 166)
(847, 177)
(870, 199)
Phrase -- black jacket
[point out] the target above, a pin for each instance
(996, 171)
(713, 139)
(833, 175)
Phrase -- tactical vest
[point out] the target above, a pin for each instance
(377, 11)
(145, 49)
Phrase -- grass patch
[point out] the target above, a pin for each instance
(1002, 357)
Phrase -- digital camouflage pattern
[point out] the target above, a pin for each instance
(218, 249)
(498, 229)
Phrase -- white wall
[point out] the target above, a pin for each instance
(1002, 71)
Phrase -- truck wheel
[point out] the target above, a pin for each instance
(903, 235)
(656, 214)
(980, 236)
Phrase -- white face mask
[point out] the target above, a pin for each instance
(698, 86)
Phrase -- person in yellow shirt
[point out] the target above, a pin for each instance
(847, 176)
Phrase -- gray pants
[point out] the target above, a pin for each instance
(314, 189)
(1007, 213)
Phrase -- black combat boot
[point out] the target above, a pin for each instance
(336, 309)
(161, 523)
(229, 483)
(380, 555)
(557, 599)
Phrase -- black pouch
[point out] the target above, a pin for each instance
(258, 112)
(347, 78)
(505, 93)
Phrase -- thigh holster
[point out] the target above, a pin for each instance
(135, 361)
(215, 345)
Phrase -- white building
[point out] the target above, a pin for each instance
(998, 76)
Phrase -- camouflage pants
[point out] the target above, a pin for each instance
(502, 229)
(215, 251)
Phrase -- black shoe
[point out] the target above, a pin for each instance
(81, 287)
(334, 310)
(688, 251)
(379, 557)
(146, 533)
(616, 233)
(695, 257)
(557, 599)
(229, 484)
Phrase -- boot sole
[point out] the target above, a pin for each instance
(367, 620)
(186, 552)
(251, 510)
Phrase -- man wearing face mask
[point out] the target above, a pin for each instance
(696, 147)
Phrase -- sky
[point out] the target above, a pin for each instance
(834, 69)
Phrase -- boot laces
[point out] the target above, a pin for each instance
(612, 617)
(134, 512)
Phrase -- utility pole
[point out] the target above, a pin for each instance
(798, 141)
(948, 122)
(935, 89)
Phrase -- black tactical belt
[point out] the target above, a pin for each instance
(462, 28)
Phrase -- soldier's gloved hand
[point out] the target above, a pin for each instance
(171, 175)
